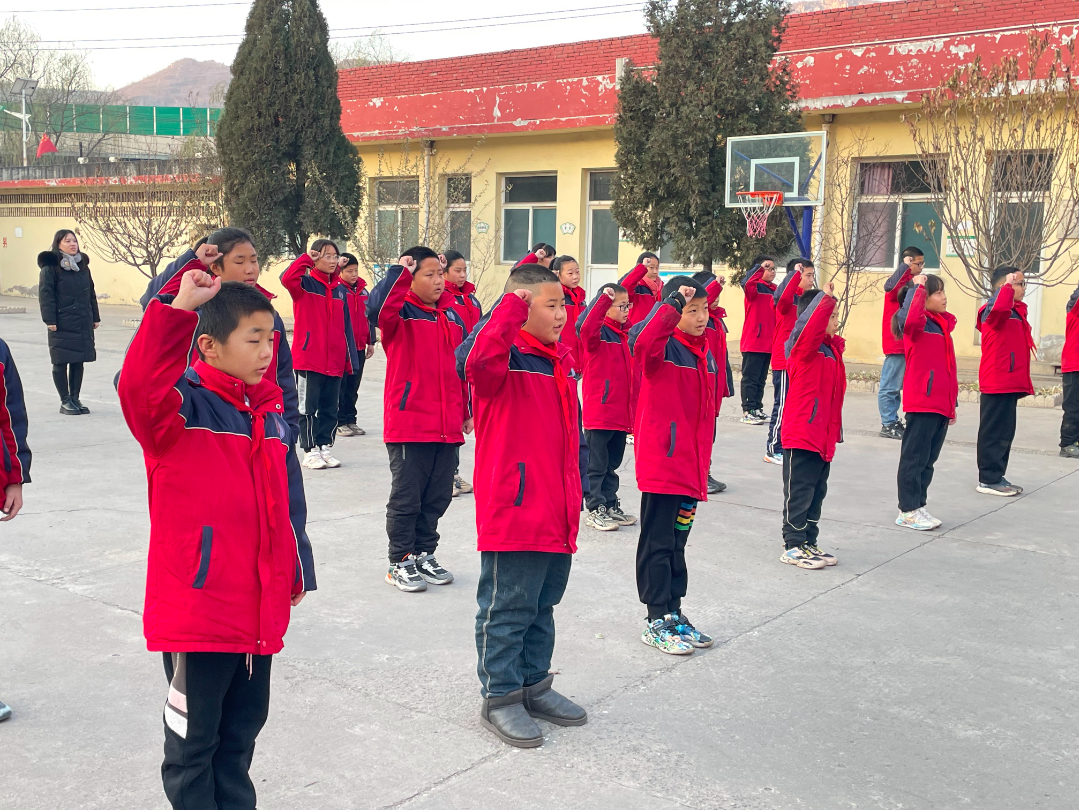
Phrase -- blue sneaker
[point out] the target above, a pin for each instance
(662, 635)
(684, 627)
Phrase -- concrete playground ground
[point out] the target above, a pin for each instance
(926, 670)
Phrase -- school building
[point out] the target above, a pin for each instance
(490, 153)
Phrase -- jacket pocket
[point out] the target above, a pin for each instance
(929, 385)
(520, 484)
(404, 396)
(1011, 362)
(606, 392)
(205, 547)
(674, 439)
(306, 338)
(816, 404)
(760, 326)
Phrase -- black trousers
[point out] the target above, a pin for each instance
(774, 443)
(805, 483)
(662, 577)
(67, 377)
(420, 493)
(922, 441)
(996, 430)
(319, 396)
(1069, 426)
(208, 752)
(606, 449)
(350, 388)
(754, 378)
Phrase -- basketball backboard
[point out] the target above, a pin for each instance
(790, 162)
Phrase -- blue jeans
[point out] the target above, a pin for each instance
(515, 623)
(891, 387)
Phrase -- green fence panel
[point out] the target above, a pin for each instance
(87, 117)
(194, 121)
(215, 116)
(114, 119)
(168, 120)
(141, 120)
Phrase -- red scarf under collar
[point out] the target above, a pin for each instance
(561, 379)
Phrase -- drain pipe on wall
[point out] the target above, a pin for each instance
(818, 225)
(428, 153)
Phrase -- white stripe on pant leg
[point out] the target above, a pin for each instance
(774, 434)
(490, 607)
(787, 505)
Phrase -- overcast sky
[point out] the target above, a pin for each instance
(214, 31)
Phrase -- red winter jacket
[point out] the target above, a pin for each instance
(356, 299)
(786, 309)
(1069, 355)
(760, 322)
(931, 379)
(223, 559)
(423, 398)
(1007, 344)
(676, 414)
(576, 301)
(813, 414)
(13, 424)
(605, 361)
(895, 282)
(643, 294)
(466, 304)
(527, 478)
(322, 335)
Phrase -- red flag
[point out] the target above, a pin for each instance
(45, 146)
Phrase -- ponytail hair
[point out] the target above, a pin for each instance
(933, 284)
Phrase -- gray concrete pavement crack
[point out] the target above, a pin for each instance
(445, 780)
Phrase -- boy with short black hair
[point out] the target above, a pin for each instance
(356, 297)
(798, 279)
(674, 428)
(426, 411)
(756, 341)
(528, 501)
(1003, 377)
(607, 415)
(1069, 370)
(812, 424)
(224, 564)
(911, 264)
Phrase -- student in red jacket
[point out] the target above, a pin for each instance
(643, 285)
(426, 411)
(674, 428)
(541, 254)
(756, 341)
(812, 424)
(891, 373)
(608, 418)
(799, 278)
(323, 347)
(356, 298)
(16, 470)
(930, 392)
(528, 501)
(467, 305)
(1003, 377)
(224, 563)
(1069, 369)
(569, 275)
(716, 333)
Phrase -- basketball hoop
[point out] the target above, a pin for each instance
(759, 205)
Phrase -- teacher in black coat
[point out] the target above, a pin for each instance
(69, 309)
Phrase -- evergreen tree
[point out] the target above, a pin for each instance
(288, 169)
(714, 78)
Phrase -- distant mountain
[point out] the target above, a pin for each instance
(184, 83)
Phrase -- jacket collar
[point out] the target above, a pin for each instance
(358, 287)
(265, 397)
(464, 289)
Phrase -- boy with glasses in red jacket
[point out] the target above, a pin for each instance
(528, 501)
(674, 428)
(426, 411)
(225, 565)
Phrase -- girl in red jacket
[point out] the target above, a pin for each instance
(756, 341)
(356, 298)
(569, 275)
(1069, 369)
(930, 391)
(467, 305)
(643, 285)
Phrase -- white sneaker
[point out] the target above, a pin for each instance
(327, 456)
(936, 522)
(915, 520)
(313, 460)
(774, 458)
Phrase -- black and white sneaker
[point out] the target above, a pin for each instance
(616, 514)
(431, 571)
(715, 486)
(405, 577)
(892, 431)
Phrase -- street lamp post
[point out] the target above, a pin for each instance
(24, 88)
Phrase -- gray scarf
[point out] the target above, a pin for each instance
(69, 262)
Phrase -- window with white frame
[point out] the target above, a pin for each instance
(602, 229)
(459, 214)
(397, 215)
(895, 212)
(1020, 182)
(528, 213)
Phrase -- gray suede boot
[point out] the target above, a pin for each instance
(541, 701)
(507, 718)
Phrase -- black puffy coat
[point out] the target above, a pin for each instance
(69, 301)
